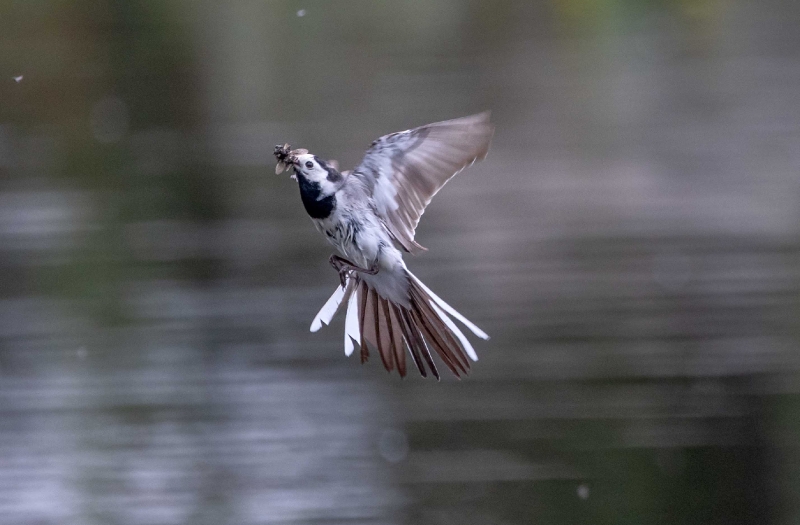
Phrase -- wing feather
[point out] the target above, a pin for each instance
(406, 169)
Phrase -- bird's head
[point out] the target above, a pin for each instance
(310, 167)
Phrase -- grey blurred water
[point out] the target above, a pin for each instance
(631, 244)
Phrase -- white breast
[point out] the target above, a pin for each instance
(362, 239)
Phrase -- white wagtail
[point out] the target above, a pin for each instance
(369, 214)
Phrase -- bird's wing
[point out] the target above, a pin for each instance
(404, 170)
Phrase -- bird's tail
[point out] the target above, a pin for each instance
(422, 326)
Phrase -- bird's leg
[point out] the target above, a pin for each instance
(338, 265)
(344, 267)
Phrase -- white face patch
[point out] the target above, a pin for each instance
(308, 167)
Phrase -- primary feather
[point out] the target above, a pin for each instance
(406, 169)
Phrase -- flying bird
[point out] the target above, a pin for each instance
(370, 215)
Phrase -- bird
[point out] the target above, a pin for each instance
(370, 215)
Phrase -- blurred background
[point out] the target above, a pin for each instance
(632, 244)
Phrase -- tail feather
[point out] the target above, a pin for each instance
(351, 331)
(449, 309)
(398, 341)
(362, 312)
(412, 340)
(457, 331)
(331, 306)
(370, 320)
(440, 331)
(416, 345)
(382, 340)
(432, 342)
(425, 345)
(385, 338)
(422, 326)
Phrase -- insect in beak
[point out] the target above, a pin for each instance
(287, 158)
(284, 156)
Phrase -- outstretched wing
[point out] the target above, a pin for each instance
(404, 170)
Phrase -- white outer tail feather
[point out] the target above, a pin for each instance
(352, 334)
(449, 309)
(452, 326)
(331, 306)
(325, 315)
(351, 331)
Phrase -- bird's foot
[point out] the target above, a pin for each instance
(342, 266)
(345, 268)
(344, 275)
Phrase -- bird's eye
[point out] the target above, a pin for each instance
(309, 164)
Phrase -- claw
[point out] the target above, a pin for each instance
(346, 269)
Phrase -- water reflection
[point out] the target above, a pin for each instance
(631, 245)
